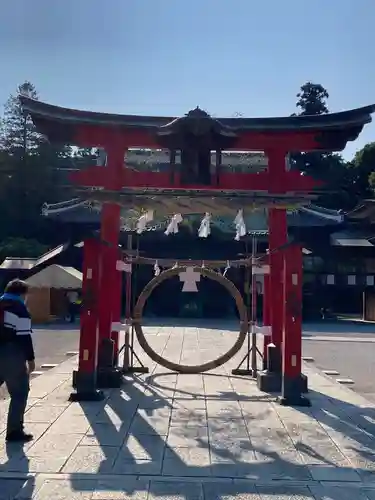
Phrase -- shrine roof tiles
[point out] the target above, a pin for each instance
(45, 115)
(364, 211)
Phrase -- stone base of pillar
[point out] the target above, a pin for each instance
(304, 384)
(272, 382)
(291, 394)
(85, 385)
(269, 381)
(109, 378)
(274, 358)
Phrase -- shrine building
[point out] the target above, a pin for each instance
(334, 275)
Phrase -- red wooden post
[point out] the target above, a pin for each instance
(266, 317)
(270, 380)
(116, 309)
(292, 332)
(109, 233)
(84, 380)
(278, 237)
(109, 280)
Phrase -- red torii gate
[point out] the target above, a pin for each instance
(277, 137)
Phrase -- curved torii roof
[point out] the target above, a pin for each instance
(332, 131)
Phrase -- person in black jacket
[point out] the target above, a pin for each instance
(17, 358)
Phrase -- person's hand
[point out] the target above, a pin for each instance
(31, 366)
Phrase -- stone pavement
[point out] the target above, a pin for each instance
(205, 436)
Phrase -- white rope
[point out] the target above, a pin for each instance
(65, 206)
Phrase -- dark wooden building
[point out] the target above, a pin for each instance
(336, 269)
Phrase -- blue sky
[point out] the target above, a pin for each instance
(164, 57)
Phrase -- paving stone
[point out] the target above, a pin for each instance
(285, 493)
(109, 415)
(173, 467)
(188, 418)
(189, 456)
(272, 441)
(145, 447)
(76, 425)
(121, 489)
(238, 490)
(330, 473)
(9, 488)
(322, 492)
(91, 459)
(363, 461)
(175, 490)
(60, 447)
(104, 435)
(184, 438)
(141, 425)
(66, 490)
(210, 427)
(190, 404)
(274, 470)
(30, 487)
(31, 402)
(39, 464)
(41, 413)
(353, 441)
(136, 467)
(323, 455)
(84, 409)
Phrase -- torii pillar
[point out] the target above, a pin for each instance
(85, 378)
(267, 339)
(110, 284)
(293, 383)
(270, 379)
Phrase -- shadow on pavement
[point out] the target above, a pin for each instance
(225, 446)
(16, 488)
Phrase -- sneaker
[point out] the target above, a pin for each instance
(19, 437)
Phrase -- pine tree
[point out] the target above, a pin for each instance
(19, 133)
(312, 99)
(28, 170)
(327, 167)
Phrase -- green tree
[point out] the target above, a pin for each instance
(330, 168)
(19, 134)
(362, 171)
(28, 171)
(21, 247)
(312, 99)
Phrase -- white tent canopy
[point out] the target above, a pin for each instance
(56, 276)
